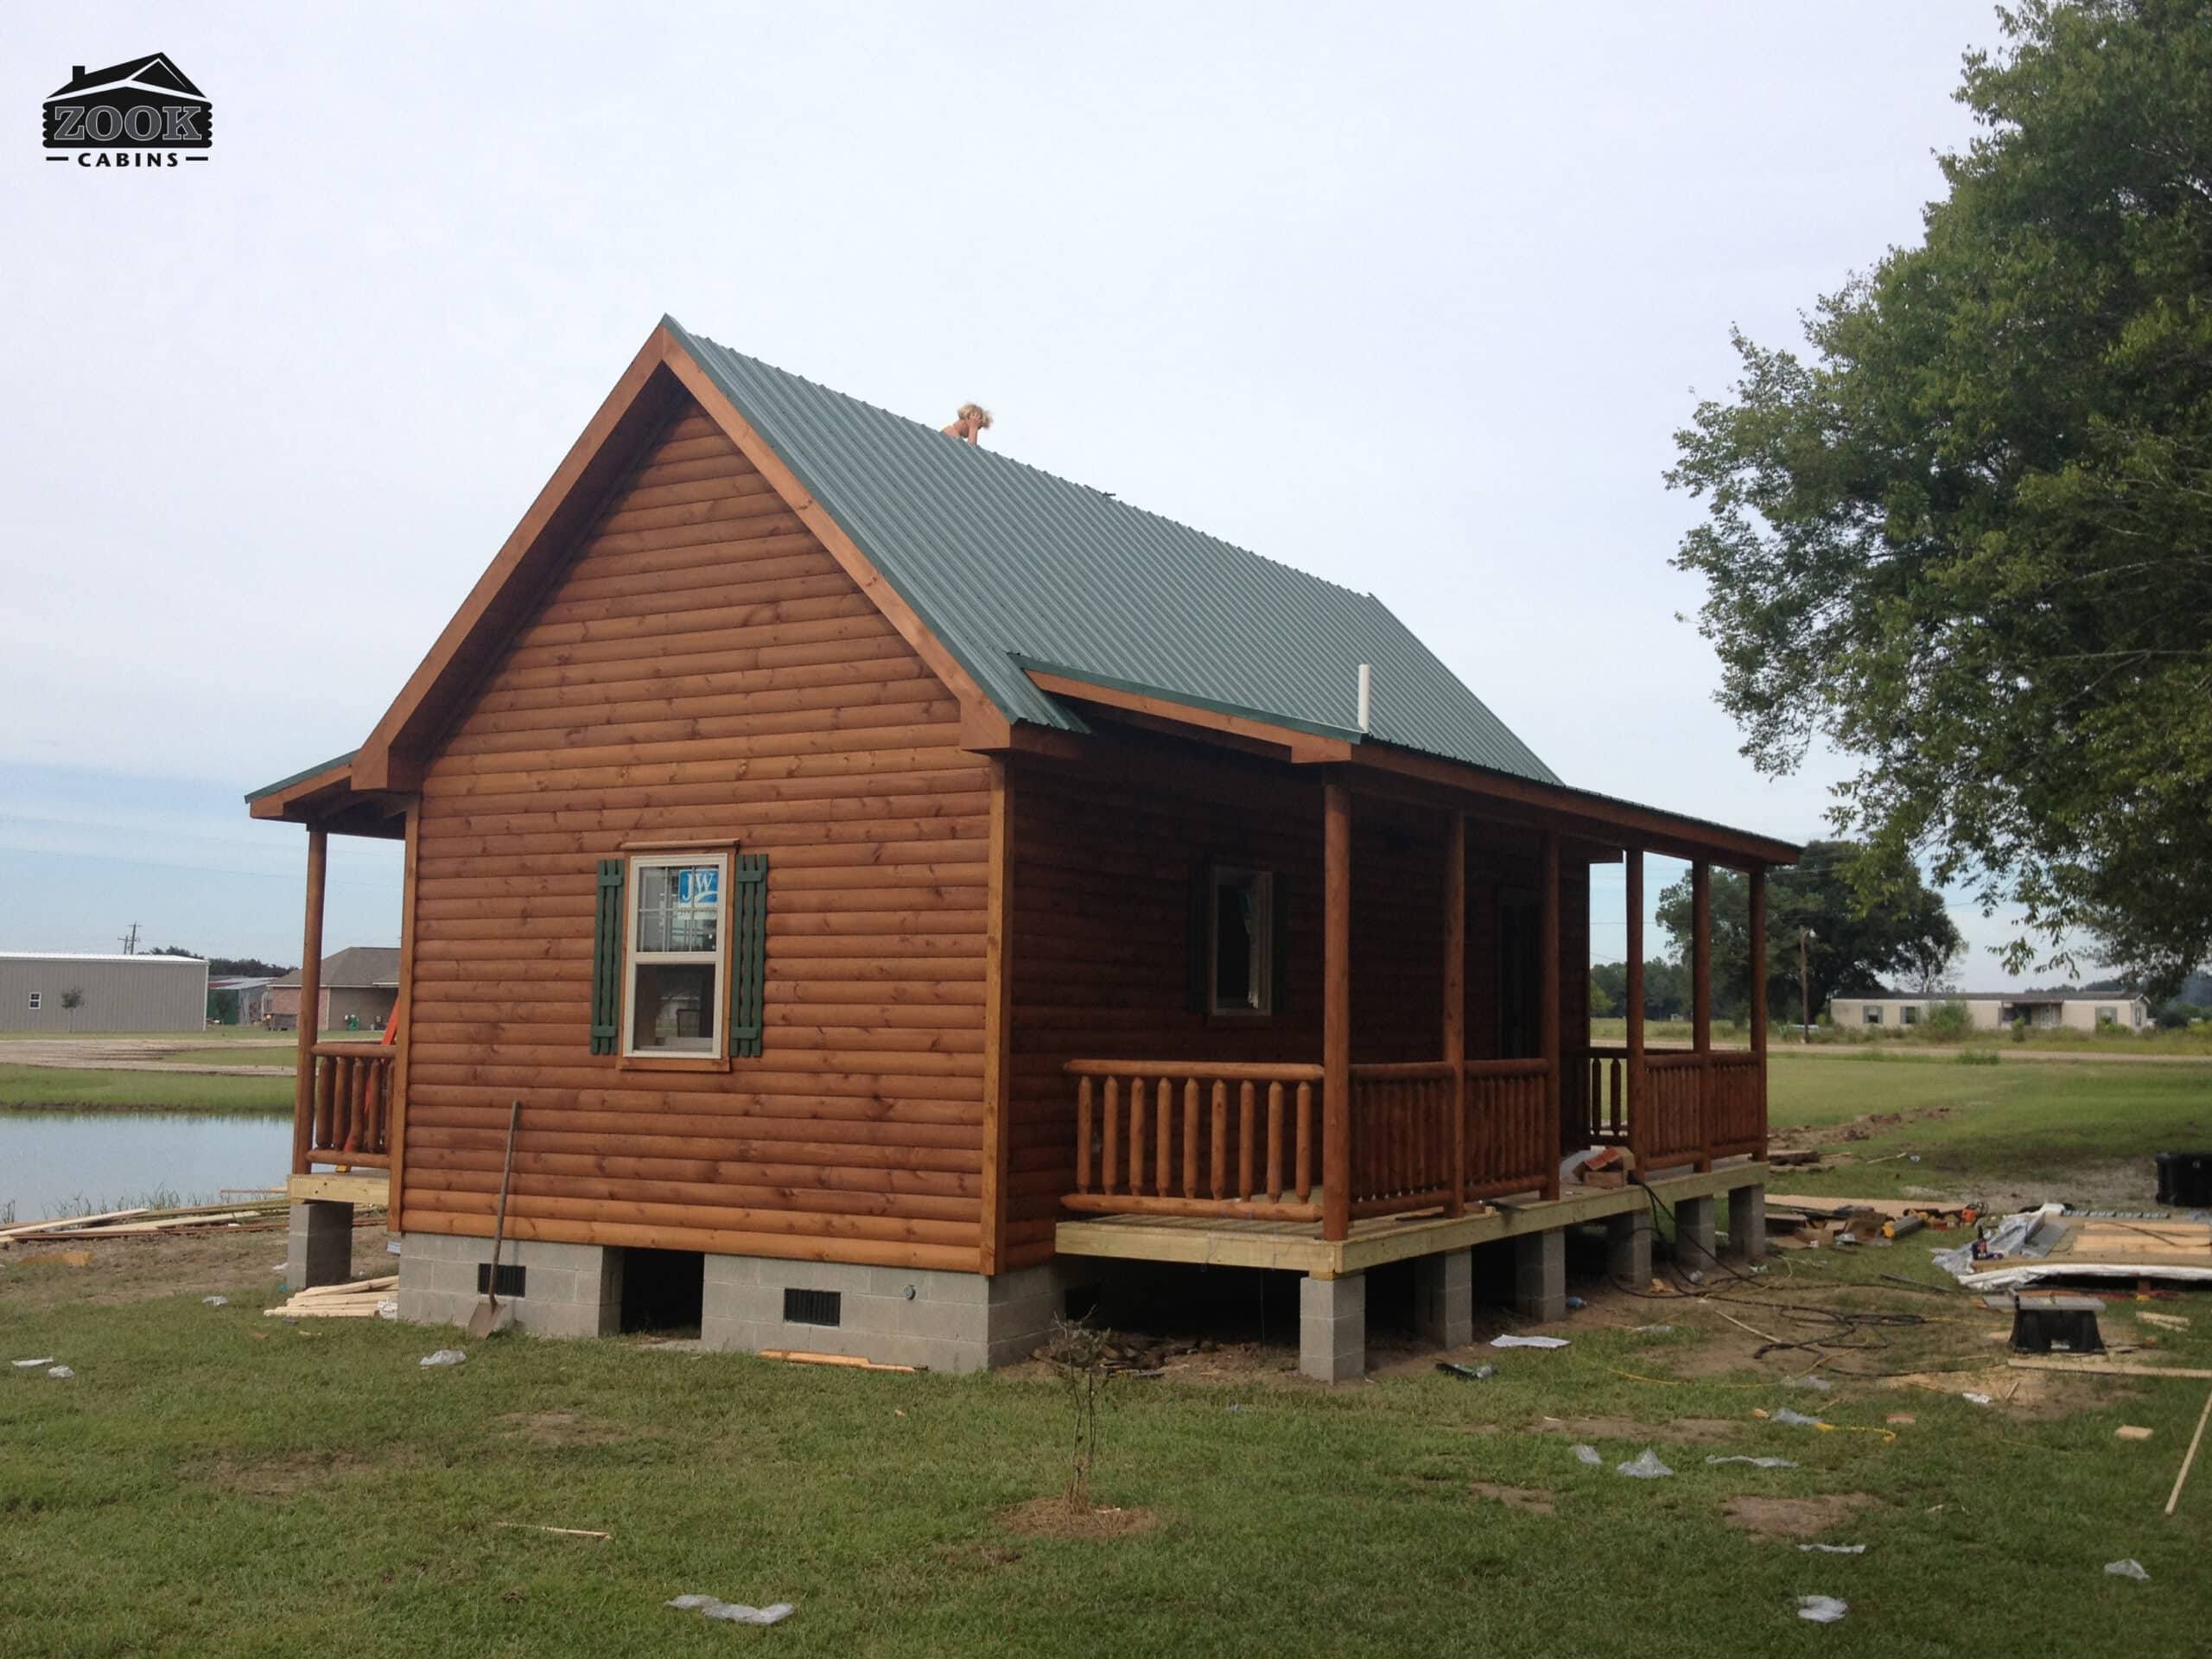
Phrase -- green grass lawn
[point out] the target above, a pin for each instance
(58, 1088)
(1976, 1128)
(213, 1481)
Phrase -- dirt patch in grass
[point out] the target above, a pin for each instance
(1781, 1520)
(1055, 1518)
(1683, 1431)
(562, 1429)
(979, 1557)
(1530, 1498)
(2030, 1396)
(234, 1262)
(287, 1477)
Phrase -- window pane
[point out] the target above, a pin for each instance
(675, 1007)
(1235, 960)
(678, 908)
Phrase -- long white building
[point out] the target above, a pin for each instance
(44, 992)
(1995, 1010)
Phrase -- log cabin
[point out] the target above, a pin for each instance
(890, 885)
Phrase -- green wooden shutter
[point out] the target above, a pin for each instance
(607, 961)
(748, 957)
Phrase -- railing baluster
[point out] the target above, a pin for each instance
(1190, 1138)
(1220, 1182)
(1245, 1126)
(1274, 1143)
(1083, 1135)
(1305, 1188)
(1110, 1138)
(1163, 1148)
(1140, 1108)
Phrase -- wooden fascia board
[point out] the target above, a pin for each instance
(1603, 822)
(392, 756)
(280, 804)
(1292, 744)
(826, 529)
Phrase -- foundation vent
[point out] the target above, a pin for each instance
(813, 1307)
(511, 1277)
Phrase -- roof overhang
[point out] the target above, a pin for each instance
(1584, 813)
(328, 796)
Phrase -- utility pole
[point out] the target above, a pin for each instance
(129, 941)
(1804, 991)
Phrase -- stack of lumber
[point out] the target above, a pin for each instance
(357, 1301)
(252, 1215)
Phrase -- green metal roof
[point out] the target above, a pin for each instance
(1013, 568)
(301, 777)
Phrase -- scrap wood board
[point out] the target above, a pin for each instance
(2133, 1243)
(1888, 1209)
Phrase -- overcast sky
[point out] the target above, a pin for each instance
(1411, 297)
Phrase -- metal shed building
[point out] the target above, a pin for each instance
(58, 994)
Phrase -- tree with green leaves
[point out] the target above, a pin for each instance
(1853, 948)
(1666, 990)
(1968, 539)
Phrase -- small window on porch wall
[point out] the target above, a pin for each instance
(673, 989)
(1240, 951)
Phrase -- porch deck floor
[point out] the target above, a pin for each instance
(1298, 1246)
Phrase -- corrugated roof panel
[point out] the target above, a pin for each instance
(1008, 565)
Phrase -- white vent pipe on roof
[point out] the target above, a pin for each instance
(1366, 690)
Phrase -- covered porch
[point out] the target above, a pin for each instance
(347, 1096)
(1344, 1140)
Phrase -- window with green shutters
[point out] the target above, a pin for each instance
(669, 927)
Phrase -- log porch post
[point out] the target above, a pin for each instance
(1757, 880)
(1336, 1012)
(1632, 866)
(310, 998)
(1701, 1001)
(1547, 972)
(1455, 1000)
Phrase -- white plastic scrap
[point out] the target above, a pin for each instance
(30, 1364)
(1834, 1549)
(2129, 1568)
(1527, 1342)
(1818, 1384)
(1757, 1462)
(1790, 1419)
(444, 1357)
(1645, 1466)
(735, 1613)
(1977, 1399)
(1822, 1610)
(387, 1309)
(216, 1301)
(1589, 1455)
(1655, 1330)
(61, 1371)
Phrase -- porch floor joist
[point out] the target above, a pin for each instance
(368, 1186)
(1297, 1247)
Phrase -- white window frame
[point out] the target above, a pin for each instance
(1873, 1013)
(38, 1000)
(2108, 1016)
(1262, 1005)
(1908, 1015)
(717, 1046)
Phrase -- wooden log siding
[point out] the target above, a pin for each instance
(703, 668)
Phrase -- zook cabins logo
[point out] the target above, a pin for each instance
(143, 113)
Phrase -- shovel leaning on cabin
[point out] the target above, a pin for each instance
(490, 1316)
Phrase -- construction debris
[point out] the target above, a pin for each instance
(358, 1299)
(1822, 1610)
(2053, 1243)
(1645, 1466)
(2127, 1568)
(443, 1356)
(735, 1612)
(2131, 1432)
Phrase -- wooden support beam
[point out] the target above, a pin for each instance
(310, 997)
(1336, 1012)
(998, 1024)
(1633, 1082)
(1758, 942)
(1455, 999)
(1547, 991)
(1701, 1000)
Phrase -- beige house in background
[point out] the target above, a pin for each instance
(362, 980)
(1995, 1010)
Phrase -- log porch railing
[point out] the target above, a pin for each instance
(346, 1117)
(1691, 1107)
(1187, 1138)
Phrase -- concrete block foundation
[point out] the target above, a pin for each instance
(1444, 1297)
(1696, 1249)
(1627, 1252)
(320, 1249)
(568, 1290)
(1540, 1275)
(895, 1316)
(1747, 1223)
(1333, 1328)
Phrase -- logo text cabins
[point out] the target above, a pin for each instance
(133, 114)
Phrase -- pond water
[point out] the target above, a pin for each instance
(51, 1161)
